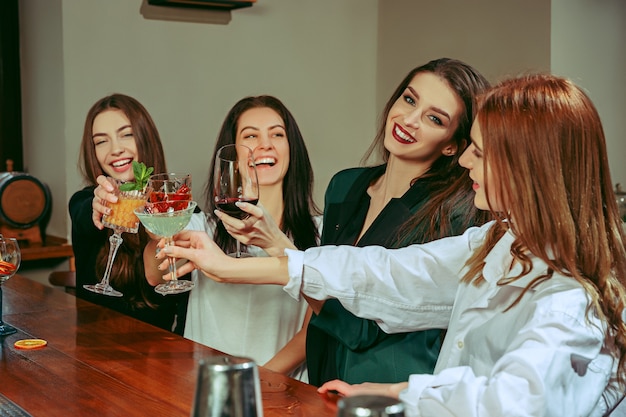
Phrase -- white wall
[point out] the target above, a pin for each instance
(491, 35)
(318, 57)
(334, 64)
(43, 103)
(589, 46)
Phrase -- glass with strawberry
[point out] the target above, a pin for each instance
(169, 191)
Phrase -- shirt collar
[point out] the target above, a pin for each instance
(498, 264)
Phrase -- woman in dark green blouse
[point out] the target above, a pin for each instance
(419, 193)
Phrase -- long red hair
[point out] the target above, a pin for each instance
(543, 138)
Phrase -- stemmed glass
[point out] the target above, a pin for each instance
(166, 224)
(168, 188)
(235, 180)
(9, 263)
(121, 219)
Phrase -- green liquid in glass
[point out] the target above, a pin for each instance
(165, 224)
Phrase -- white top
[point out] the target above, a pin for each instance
(253, 321)
(541, 357)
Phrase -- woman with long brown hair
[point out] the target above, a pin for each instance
(533, 301)
(262, 323)
(414, 192)
(118, 130)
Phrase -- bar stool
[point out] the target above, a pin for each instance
(66, 279)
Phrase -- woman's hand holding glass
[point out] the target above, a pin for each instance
(105, 191)
(166, 223)
(117, 215)
(204, 254)
(259, 229)
(198, 248)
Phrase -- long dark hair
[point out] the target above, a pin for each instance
(299, 207)
(127, 274)
(449, 183)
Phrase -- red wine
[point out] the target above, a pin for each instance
(227, 205)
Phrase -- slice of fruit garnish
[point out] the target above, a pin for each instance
(184, 189)
(6, 268)
(30, 343)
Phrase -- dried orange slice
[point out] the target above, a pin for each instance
(30, 343)
(6, 268)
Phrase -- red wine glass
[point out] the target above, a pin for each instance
(235, 181)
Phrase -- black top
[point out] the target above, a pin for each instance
(339, 344)
(168, 312)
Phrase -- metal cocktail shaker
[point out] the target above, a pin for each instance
(227, 387)
(370, 406)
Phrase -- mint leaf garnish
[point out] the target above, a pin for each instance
(142, 175)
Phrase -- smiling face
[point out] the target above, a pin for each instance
(422, 121)
(263, 130)
(114, 144)
(479, 172)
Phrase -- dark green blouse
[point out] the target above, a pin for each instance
(339, 344)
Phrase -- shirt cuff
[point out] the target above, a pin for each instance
(411, 395)
(295, 266)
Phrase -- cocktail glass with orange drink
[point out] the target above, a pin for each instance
(121, 219)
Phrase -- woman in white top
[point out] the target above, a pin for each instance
(260, 322)
(533, 301)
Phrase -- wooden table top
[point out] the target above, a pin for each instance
(100, 362)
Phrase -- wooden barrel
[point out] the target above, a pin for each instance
(24, 200)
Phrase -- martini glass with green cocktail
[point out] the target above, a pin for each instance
(166, 224)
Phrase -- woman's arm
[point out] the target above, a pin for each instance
(204, 254)
(367, 388)
(293, 354)
(103, 193)
(404, 289)
(548, 359)
(542, 357)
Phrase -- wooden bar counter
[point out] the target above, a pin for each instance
(100, 362)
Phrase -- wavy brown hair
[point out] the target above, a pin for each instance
(449, 184)
(544, 136)
(127, 274)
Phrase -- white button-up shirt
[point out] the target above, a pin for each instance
(541, 357)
